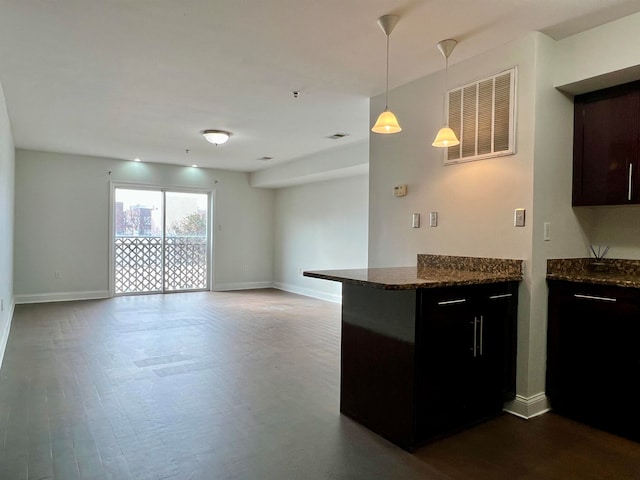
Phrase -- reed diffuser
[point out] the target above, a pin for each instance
(598, 263)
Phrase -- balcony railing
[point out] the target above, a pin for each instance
(146, 264)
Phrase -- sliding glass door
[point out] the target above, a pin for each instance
(161, 240)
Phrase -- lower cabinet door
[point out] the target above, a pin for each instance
(593, 366)
(445, 395)
(466, 354)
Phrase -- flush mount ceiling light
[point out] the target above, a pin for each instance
(387, 121)
(446, 137)
(217, 137)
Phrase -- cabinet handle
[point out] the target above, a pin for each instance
(475, 335)
(452, 302)
(504, 295)
(592, 297)
(630, 177)
(481, 330)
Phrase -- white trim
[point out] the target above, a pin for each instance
(223, 287)
(528, 407)
(62, 296)
(112, 221)
(7, 329)
(287, 287)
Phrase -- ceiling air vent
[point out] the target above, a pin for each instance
(482, 115)
(338, 136)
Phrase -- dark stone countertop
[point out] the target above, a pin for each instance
(426, 275)
(609, 271)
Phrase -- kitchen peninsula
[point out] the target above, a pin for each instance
(428, 349)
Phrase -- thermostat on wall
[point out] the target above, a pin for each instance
(399, 190)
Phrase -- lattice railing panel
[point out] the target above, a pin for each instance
(185, 266)
(138, 264)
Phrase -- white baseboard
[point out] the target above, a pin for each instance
(528, 407)
(61, 296)
(4, 336)
(308, 292)
(222, 287)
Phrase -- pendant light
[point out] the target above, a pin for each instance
(446, 137)
(387, 121)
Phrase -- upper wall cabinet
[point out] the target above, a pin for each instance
(606, 148)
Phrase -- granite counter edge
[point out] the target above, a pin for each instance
(411, 285)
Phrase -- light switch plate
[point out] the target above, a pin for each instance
(415, 223)
(518, 217)
(433, 219)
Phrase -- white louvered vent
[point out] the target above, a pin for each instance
(482, 115)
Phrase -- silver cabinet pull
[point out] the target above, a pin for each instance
(592, 297)
(481, 329)
(504, 295)
(452, 302)
(475, 335)
(630, 183)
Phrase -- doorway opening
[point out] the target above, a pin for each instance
(161, 240)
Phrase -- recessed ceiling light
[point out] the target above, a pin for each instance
(217, 137)
(137, 159)
(194, 165)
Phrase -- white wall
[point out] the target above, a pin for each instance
(608, 52)
(339, 162)
(321, 225)
(553, 164)
(62, 223)
(475, 201)
(7, 165)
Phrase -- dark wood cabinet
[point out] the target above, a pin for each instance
(467, 355)
(606, 154)
(417, 364)
(593, 359)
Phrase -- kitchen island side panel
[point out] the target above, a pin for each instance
(377, 384)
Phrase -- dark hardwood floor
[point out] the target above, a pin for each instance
(235, 385)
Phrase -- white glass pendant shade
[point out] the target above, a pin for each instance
(217, 137)
(386, 123)
(446, 138)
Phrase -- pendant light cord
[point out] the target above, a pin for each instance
(386, 90)
(445, 118)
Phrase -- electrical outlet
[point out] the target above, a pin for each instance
(518, 217)
(57, 275)
(1, 304)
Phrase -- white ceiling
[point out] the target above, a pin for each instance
(143, 78)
